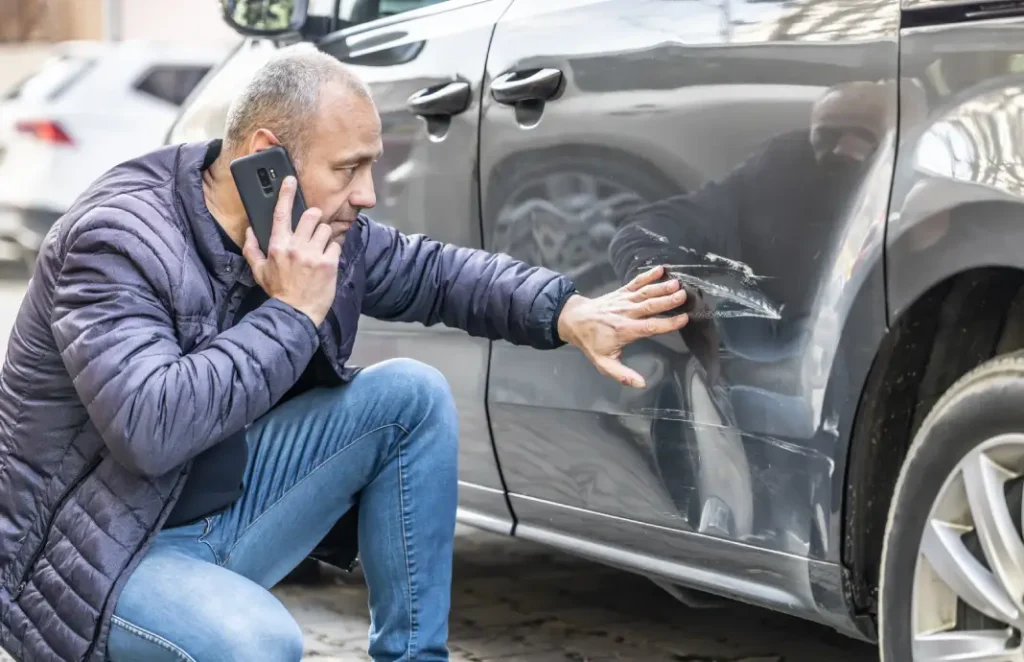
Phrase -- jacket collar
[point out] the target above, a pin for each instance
(223, 265)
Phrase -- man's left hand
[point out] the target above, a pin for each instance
(603, 326)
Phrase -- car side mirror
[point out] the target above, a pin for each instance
(265, 18)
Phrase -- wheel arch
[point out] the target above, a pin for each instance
(950, 327)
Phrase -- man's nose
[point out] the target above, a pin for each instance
(364, 196)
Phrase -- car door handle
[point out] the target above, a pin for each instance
(526, 85)
(441, 100)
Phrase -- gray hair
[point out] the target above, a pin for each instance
(284, 97)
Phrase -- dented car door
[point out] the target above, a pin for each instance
(749, 147)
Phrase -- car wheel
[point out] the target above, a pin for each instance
(561, 211)
(952, 578)
(701, 457)
(674, 455)
(723, 470)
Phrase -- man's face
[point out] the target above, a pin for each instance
(849, 120)
(334, 169)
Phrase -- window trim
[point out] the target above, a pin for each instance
(385, 21)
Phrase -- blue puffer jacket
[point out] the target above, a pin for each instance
(120, 369)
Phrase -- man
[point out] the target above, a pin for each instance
(178, 424)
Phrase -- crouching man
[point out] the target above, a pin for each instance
(179, 427)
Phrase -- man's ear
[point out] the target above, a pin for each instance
(262, 139)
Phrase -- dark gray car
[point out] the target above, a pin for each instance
(839, 185)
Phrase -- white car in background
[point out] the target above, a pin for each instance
(90, 106)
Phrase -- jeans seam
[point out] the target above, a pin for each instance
(240, 536)
(151, 637)
(202, 539)
(409, 562)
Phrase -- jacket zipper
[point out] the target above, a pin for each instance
(65, 495)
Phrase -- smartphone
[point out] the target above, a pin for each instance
(258, 178)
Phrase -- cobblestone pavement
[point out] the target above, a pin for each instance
(514, 601)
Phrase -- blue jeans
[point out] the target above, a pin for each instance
(390, 436)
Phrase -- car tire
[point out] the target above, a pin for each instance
(525, 180)
(673, 448)
(972, 415)
(708, 479)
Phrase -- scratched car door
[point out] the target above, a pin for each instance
(743, 144)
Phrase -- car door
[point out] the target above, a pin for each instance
(425, 69)
(748, 145)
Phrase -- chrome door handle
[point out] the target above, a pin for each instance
(527, 85)
(443, 100)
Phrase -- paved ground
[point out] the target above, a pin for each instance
(518, 602)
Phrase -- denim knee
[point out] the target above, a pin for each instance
(273, 637)
(421, 389)
(242, 636)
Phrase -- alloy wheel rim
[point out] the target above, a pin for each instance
(986, 583)
(564, 221)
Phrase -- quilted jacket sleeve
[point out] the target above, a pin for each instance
(416, 279)
(155, 406)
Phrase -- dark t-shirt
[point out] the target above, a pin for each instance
(216, 479)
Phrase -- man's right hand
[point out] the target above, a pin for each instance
(301, 266)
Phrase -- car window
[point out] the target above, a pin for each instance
(51, 80)
(172, 84)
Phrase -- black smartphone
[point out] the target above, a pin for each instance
(258, 178)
